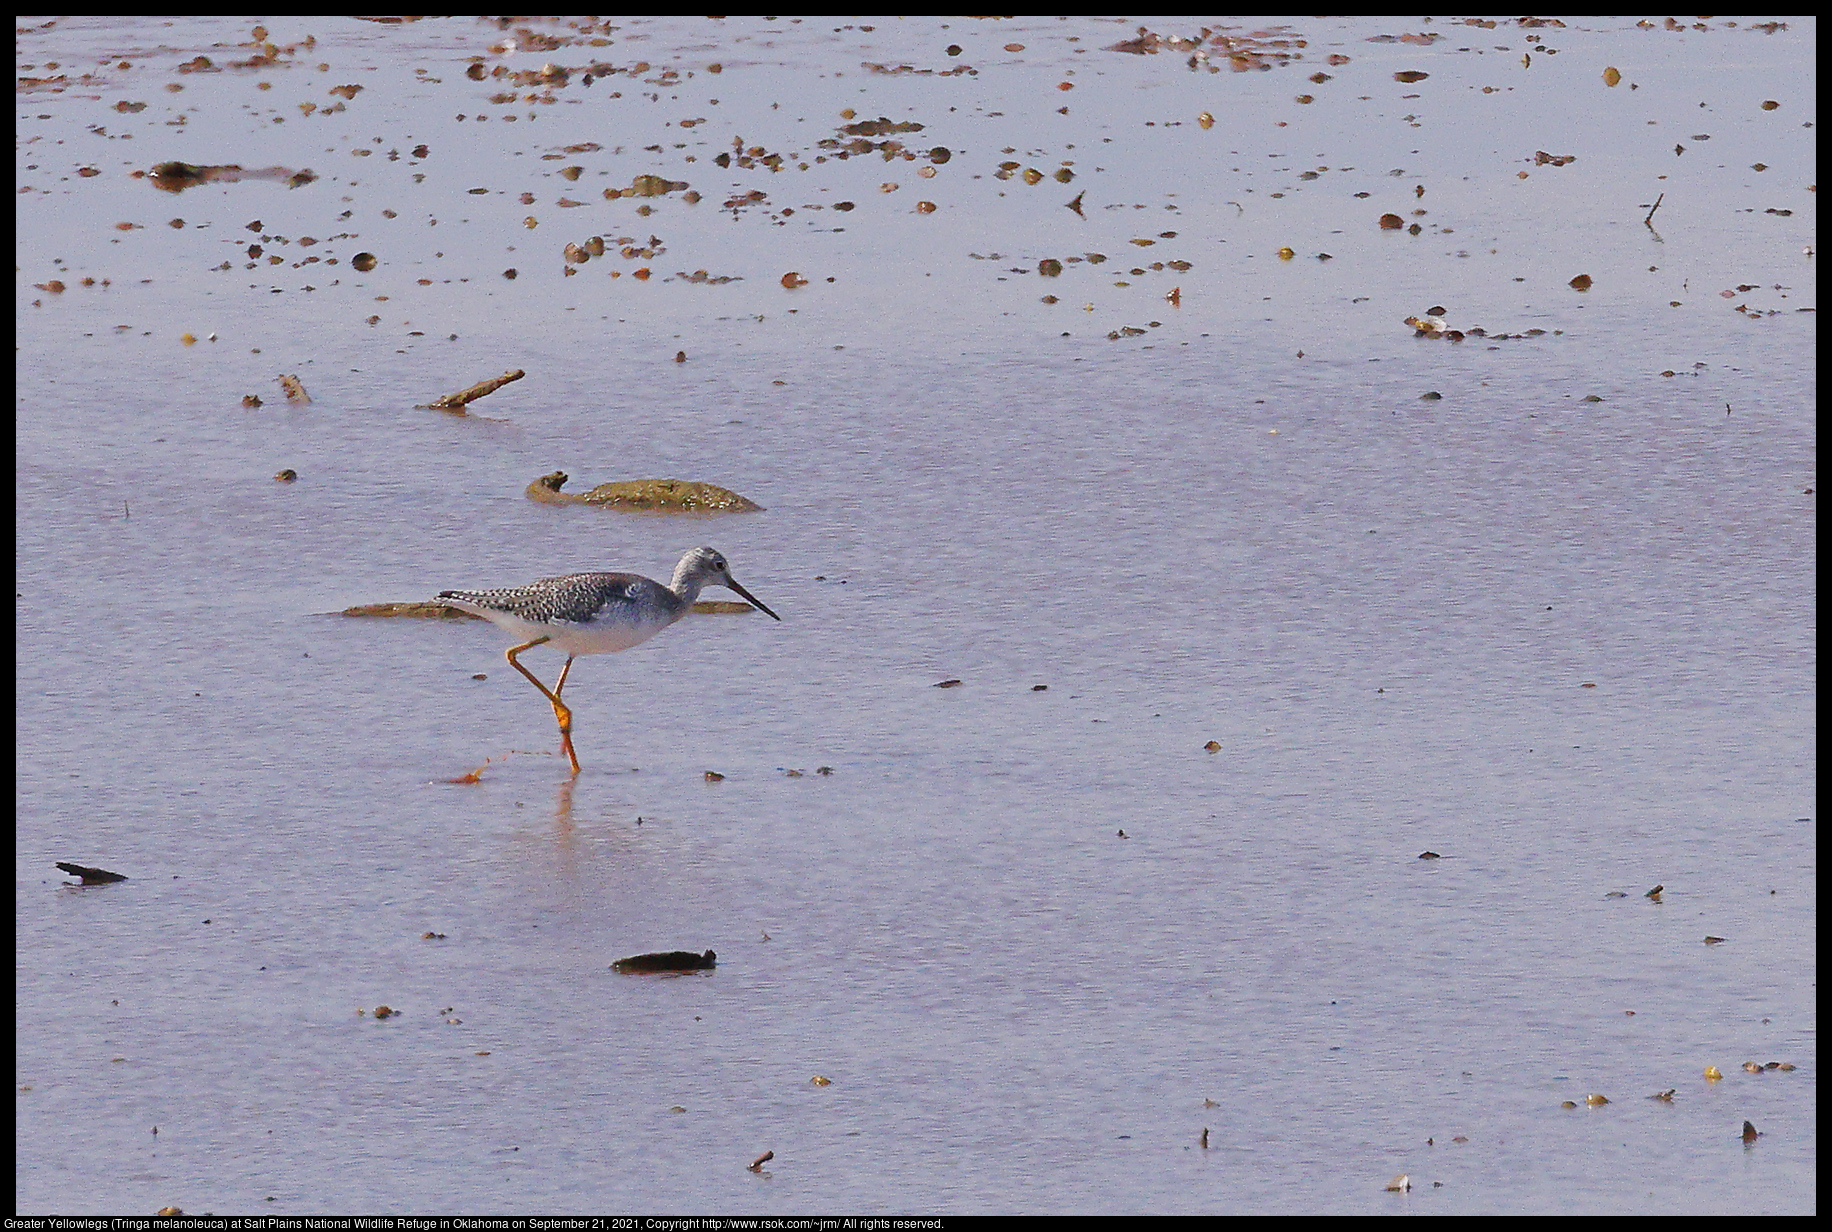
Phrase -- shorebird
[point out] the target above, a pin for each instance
(595, 613)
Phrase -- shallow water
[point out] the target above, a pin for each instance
(1567, 644)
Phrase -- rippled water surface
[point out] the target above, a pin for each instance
(1254, 594)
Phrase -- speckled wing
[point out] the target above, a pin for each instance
(577, 598)
(582, 613)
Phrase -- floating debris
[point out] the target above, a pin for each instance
(1399, 1184)
(420, 610)
(457, 401)
(295, 389)
(647, 186)
(669, 960)
(649, 495)
(947, 684)
(174, 177)
(820, 1080)
(756, 1165)
(91, 876)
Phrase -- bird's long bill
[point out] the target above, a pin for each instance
(753, 600)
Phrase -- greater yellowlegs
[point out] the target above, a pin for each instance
(595, 613)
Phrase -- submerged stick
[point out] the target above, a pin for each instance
(457, 401)
(91, 876)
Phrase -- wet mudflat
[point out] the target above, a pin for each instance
(1132, 410)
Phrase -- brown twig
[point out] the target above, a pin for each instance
(1657, 201)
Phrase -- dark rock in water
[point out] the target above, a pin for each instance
(100, 876)
(672, 960)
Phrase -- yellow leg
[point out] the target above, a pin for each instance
(564, 714)
(560, 711)
(560, 685)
